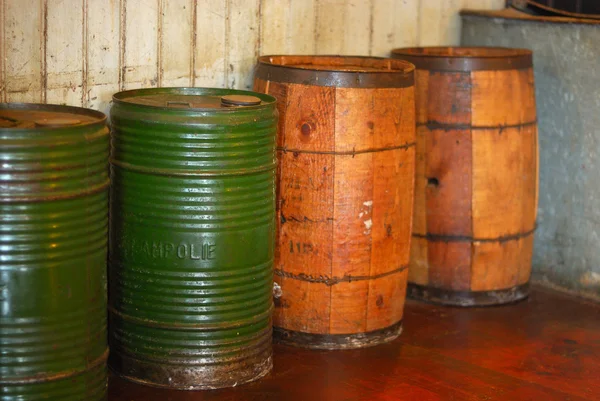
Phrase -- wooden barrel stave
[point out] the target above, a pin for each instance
(476, 183)
(345, 198)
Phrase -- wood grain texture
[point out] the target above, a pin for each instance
(476, 183)
(24, 45)
(140, 49)
(102, 55)
(395, 23)
(345, 200)
(176, 61)
(544, 349)
(64, 60)
(243, 44)
(80, 52)
(511, 104)
(212, 33)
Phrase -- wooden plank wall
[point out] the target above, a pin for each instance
(79, 52)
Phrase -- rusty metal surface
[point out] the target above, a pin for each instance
(337, 341)
(336, 71)
(465, 58)
(468, 298)
(53, 208)
(192, 237)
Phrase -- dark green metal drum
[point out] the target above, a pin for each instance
(53, 231)
(192, 236)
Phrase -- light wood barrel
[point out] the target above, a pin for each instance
(476, 189)
(345, 186)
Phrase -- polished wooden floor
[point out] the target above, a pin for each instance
(545, 348)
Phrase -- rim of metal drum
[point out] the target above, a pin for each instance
(100, 117)
(120, 98)
(448, 58)
(99, 122)
(273, 68)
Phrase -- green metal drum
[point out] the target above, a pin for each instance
(53, 231)
(192, 236)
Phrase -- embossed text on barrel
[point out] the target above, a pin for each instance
(192, 236)
(346, 149)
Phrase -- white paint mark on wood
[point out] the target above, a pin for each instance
(103, 53)
(3, 92)
(330, 29)
(287, 27)
(124, 44)
(244, 43)
(141, 56)
(395, 24)
(176, 28)
(64, 52)
(23, 43)
(211, 21)
(357, 27)
(430, 33)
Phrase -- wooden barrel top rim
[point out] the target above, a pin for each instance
(273, 68)
(465, 58)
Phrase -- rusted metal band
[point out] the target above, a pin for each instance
(346, 153)
(89, 191)
(465, 59)
(273, 68)
(58, 376)
(255, 363)
(337, 341)
(329, 281)
(468, 298)
(435, 125)
(192, 326)
(191, 173)
(466, 238)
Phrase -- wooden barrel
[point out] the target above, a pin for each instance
(476, 177)
(345, 182)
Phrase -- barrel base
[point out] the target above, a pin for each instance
(337, 341)
(468, 298)
(191, 378)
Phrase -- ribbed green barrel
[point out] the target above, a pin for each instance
(53, 213)
(192, 236)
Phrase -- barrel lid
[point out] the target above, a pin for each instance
(336, 71)
(191, 101)
(23, 115)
